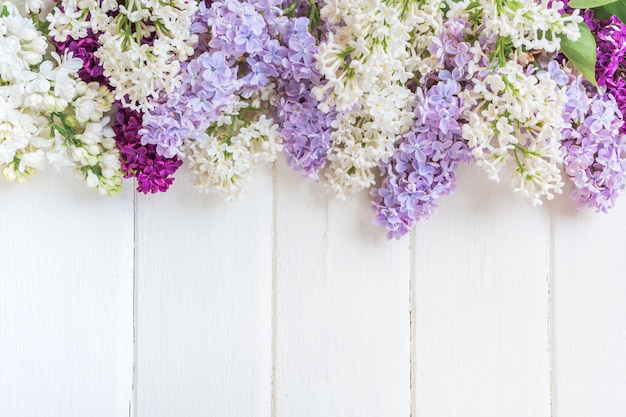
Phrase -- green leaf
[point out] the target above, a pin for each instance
(582, 53)
(601, 13)
(618, 8)
(589, 4)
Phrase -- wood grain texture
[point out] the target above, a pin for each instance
(589, 320)
(342, 307)
(288, 303)
(204, 291)
(66, 325)
(481, 305)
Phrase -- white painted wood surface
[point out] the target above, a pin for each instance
(341, 308)
(204, 309)
(589, 312)
(481, 305)
(288, 303)
(66, 299)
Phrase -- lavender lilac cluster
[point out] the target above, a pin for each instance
(423, 166)
(594, 145)
(252, 46)
(304, 128)
(594, 148)
(230, 67)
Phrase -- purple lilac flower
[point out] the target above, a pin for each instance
(237, 28)
(199, 26)
(423, 166)
(305, 129)
(84, 49)
(153, 171)
(610, 37)
(594, 148)
(166, 130)
(229, 68)
(252, 45)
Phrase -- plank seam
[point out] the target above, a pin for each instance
(412, 330)
(132, 409)
(273, 301)
(551, 309)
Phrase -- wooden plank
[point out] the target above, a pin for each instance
(204, 286)
(342, 307)
(66, 299)
(588, 298)
(481, 305)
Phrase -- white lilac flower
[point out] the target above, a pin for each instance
(141, 43)
(521, 26)
(23, 129)
(366, 60)
(223, 160)
(513, 126)
(21, 45)
(84, 139)
(47, 114)
(369, 49)
(514, 129)
(26, 7)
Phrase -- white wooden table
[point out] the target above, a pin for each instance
(291, 304)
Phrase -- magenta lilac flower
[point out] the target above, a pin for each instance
(610, 38)
(85, 48)
(153, 171)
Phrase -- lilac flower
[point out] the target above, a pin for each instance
(594, 147)
(423, 167)
(305, 129)
(84, 49)
(251, 45)
(237, 28)
(153, 171)
(260, 74)
(610, 55)
(230, 68)
(274, 53)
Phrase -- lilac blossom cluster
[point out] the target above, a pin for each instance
(304, 128)
(594, 148)
(594, 141)
(423, 166)
(82, 36)
(153, 171)
(85, 48)
(257, 60)
(359, 93)
(610, 38)
(243, 57)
